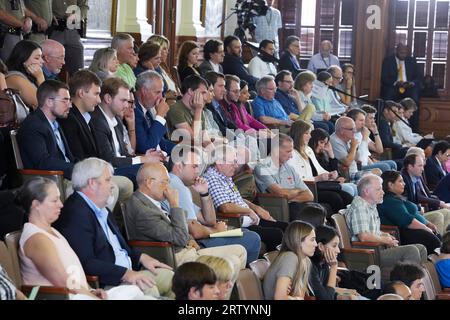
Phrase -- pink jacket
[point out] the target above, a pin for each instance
(241, 118)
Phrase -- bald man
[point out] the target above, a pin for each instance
(53, 54)
(146, 220)
(324, 59)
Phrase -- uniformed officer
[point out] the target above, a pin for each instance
(43, 10)
(69, 38)
(13, 23)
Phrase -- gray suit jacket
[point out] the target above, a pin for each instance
(206, 66)
(145, 221)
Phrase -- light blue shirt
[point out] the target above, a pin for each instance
(184, 198)
(122, 258)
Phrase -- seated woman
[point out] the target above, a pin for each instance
(104, 63)
(323, 277)
(288, 275)
(235, 110)
(25, 71)
(443, 264)
(225, 273)
(45, 255)
(304, 85)
(149, 57)
(397, 211)
(305, 163)
(188, 59)
(171, 91)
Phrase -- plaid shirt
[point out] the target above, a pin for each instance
(222, 189)
(361, 217)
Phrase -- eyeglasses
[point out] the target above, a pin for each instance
(338, 78)
(65, 100)
(350, 129)
(288, 81)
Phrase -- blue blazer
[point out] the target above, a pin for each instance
(234, 65)
(38, 147)
(443, 189)
(148, 137)
(79, 225)
(389, 72)
(287, 62)
(433, 172)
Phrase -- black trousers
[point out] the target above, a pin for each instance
(271, 232)
(336, 199)
(414, 236)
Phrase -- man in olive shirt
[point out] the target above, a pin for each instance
(187, 114)
(70, 39)
(43, 10)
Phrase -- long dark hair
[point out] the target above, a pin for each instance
(20, 53)
(389, 176)
(317, 135)
(324, 234)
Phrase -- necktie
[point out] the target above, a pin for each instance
(58, 138)
(400, 77)
(149, 118)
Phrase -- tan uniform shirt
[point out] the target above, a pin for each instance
(19, 11)
(42, 8)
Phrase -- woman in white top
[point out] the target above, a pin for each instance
(46, 258)
(306, 165)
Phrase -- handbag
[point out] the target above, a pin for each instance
(328, 186)
(7, 109)
(22, 110)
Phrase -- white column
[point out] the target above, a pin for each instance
(132, 17)
(188, 19)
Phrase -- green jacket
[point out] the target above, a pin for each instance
(395, 211)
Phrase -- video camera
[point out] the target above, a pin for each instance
(245, 11)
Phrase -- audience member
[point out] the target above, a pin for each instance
(105, 63)
(348, 85)
(435, 169)
(226, 275)
(213, 53)
(289, 60)
(324, 59)
(53, 55)
(195, 281)
(149, 55)
(288, 276)
(364, 225)
(396, 211)
(443, 263)
(25, 71)
(274, 175)
(89, 228)
(263, 64)
(388, 117)
(397, 288)
(267, 25)
(402, 128)
(188, 59)
(411, 274)
(123, 43)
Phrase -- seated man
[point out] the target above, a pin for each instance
(289, 98)
(324, 58)
(187, 114)
(266, 108)
(185, 169)
(363, 155)
(417, 192)
(42, 143)
(107, 129)
(435, 169)
(151, 110)
(195, 281)
(274, 175)
(442, 190)
(146, 220)
(87, 225)
(398, 287)
(227, 199)
(213, 54)
(364, 225)
(233, 63)
(388, 117)
(411, 274)
(262, 64)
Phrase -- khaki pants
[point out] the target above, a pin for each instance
(440, 218)
(163, 283)
(307, 113)
(235, 253)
